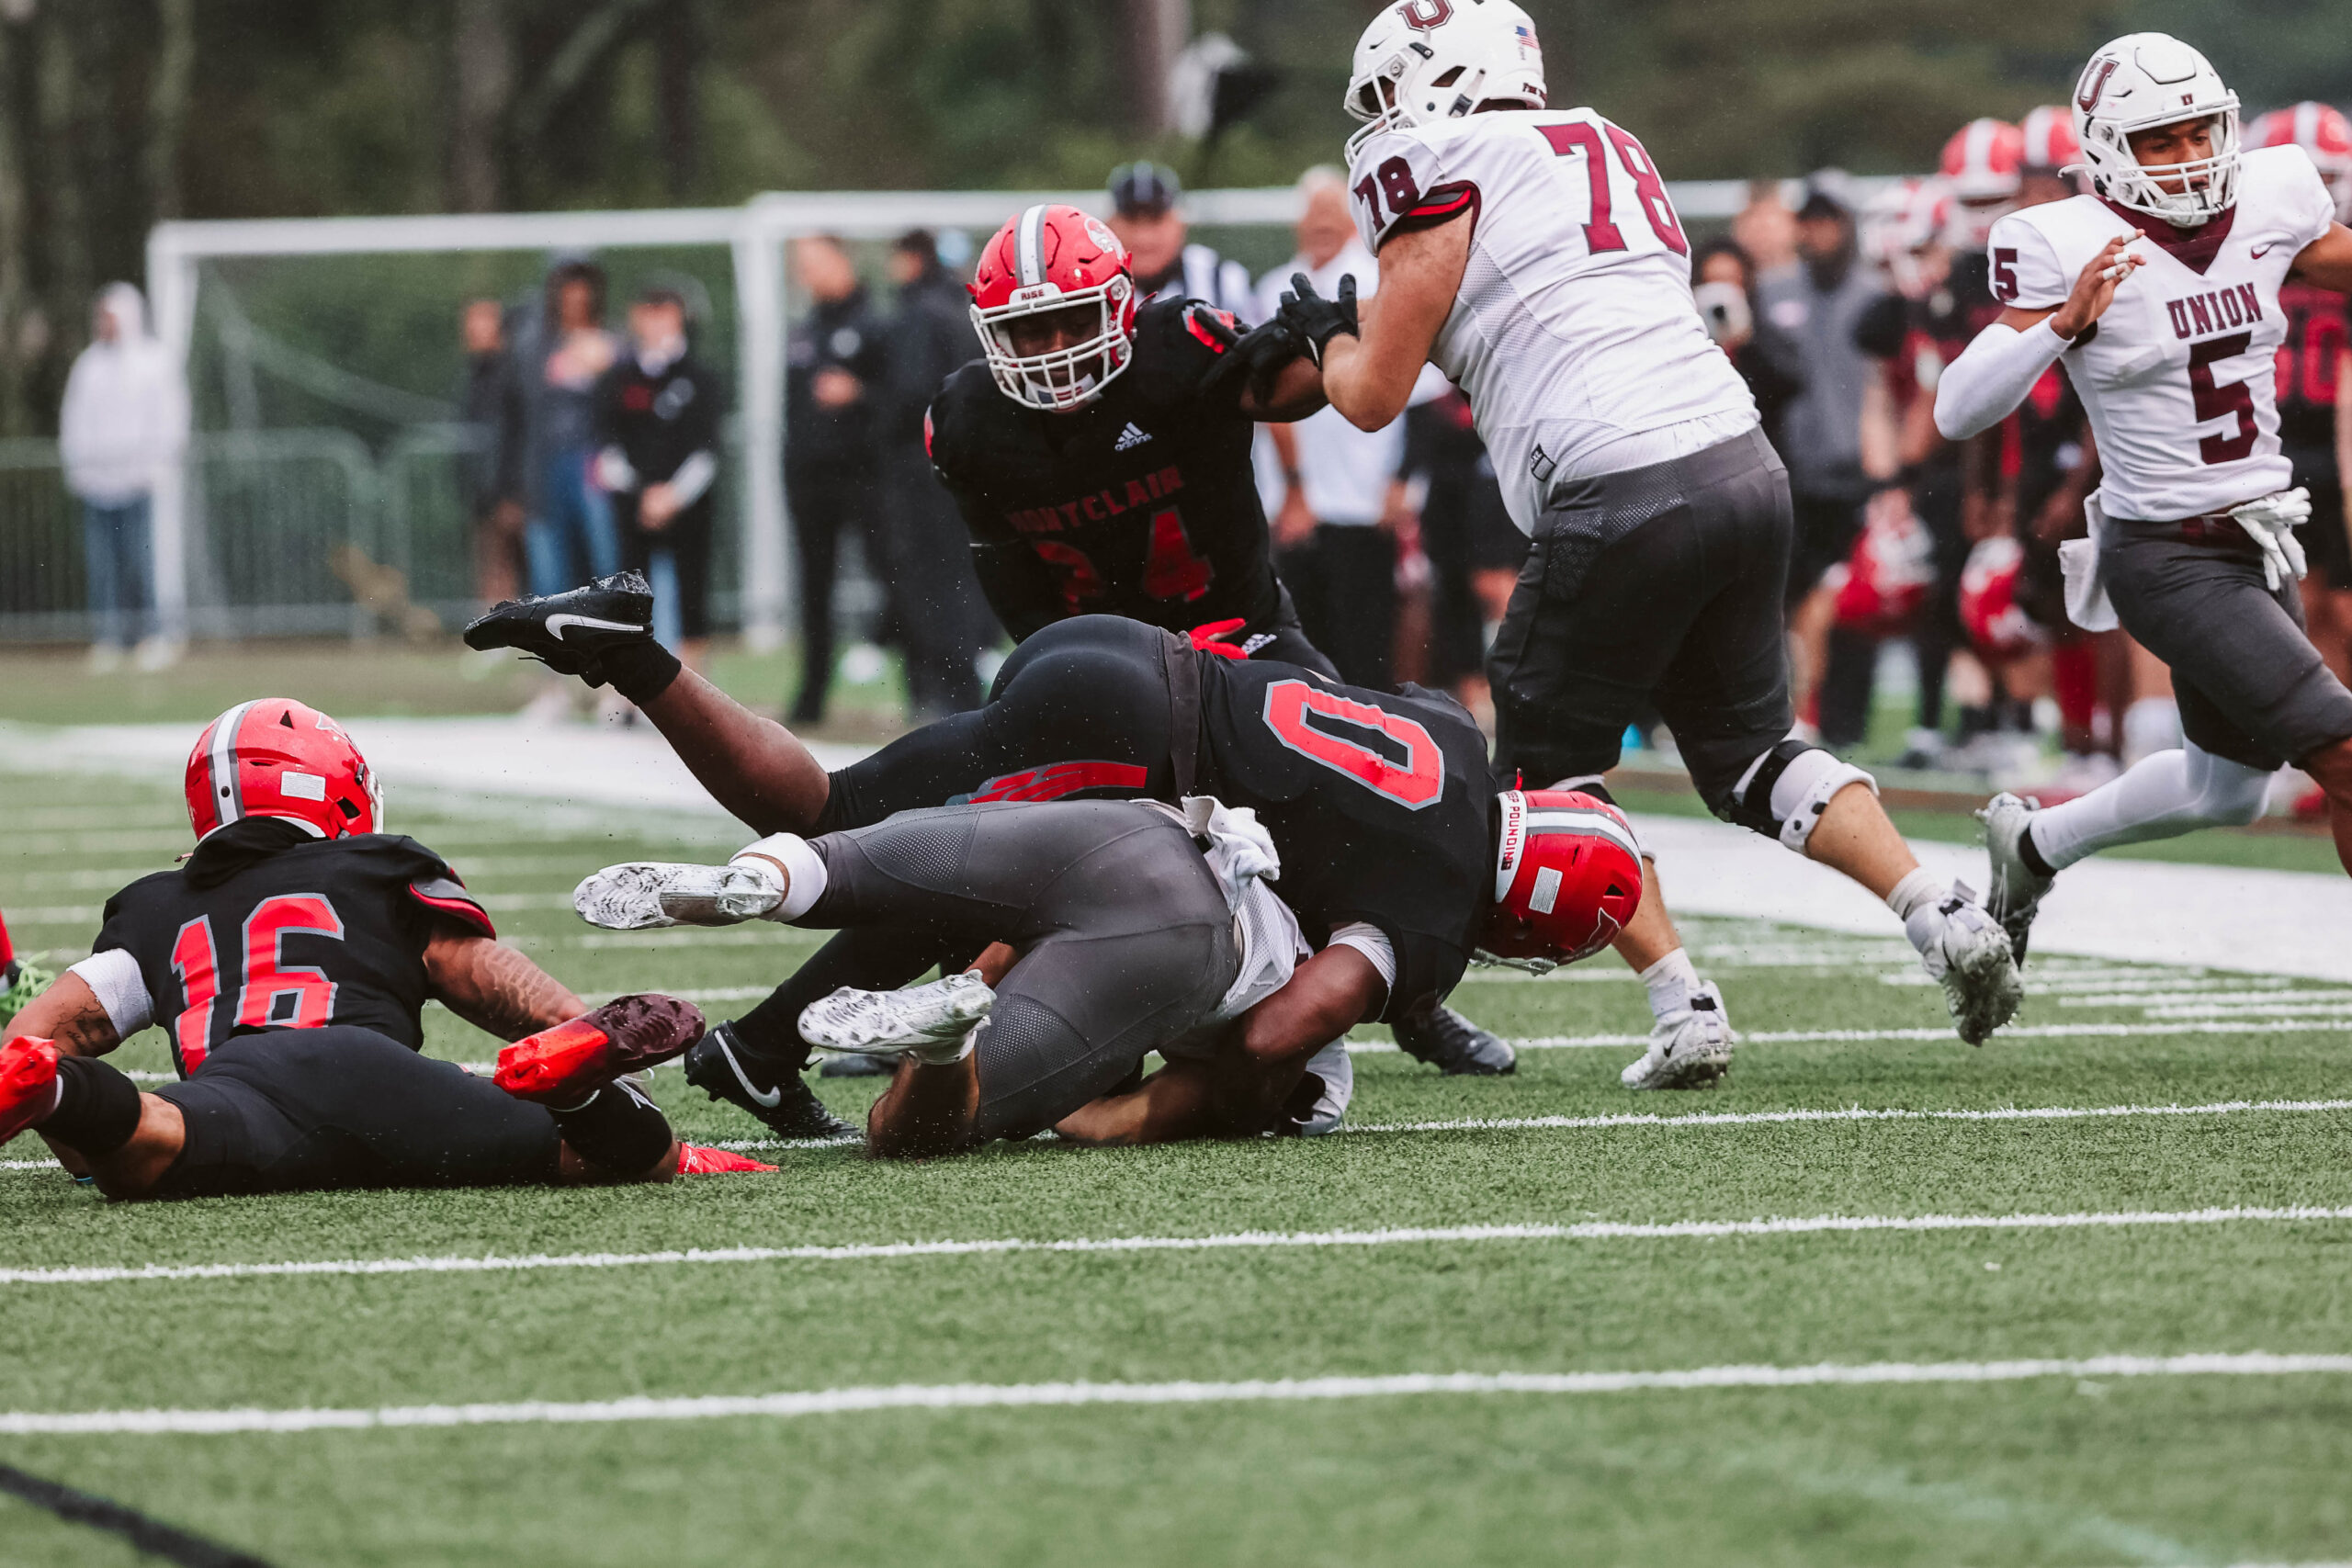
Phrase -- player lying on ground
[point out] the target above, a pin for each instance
(1535, 256)
(2160, 296)
(1127, 927)
(1391, 830)
(288, 960)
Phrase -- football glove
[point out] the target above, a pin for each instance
(1245, 359)
(2270, 522)
(1316, 319)
(1209, 638)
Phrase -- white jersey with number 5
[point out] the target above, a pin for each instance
(1573, 335)
(2178, 378)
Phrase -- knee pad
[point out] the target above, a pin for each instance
(1785, 790)
(2227, 792)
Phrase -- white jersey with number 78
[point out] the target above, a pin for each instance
(1573, 335)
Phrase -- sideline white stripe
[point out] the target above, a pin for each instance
(1848, 1113)
(1591, 1230)
(972, 1396)
(2318, 1025)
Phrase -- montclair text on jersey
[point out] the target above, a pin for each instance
(1109, 501)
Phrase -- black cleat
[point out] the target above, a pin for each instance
(1454, 1045)
(718, 1066)
(568, 631)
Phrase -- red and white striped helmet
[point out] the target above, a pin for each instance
(1567, 876)
(2051, 145)
(1047, 260)
(276, 757)
(2319, 129)
(1983, 166)
(1900, 225)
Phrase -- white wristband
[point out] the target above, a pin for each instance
(805, 872)
(1993, 375)
(113, 977)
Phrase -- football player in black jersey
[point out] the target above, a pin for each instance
(1100, 452)
(1398, 854)
(286, 962)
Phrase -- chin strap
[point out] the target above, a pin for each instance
(1496, 960)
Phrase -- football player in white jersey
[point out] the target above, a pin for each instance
(2159, 294)
(1533, 256)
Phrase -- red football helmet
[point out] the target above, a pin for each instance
(274, 757)
(1055, 261)
(1883, 583)
(2051, 145)
(2321, 130)
(1567, 876)
(1988, 601)
(1983, 165)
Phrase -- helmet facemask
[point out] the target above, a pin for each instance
(1058, 379)
(2209, 185)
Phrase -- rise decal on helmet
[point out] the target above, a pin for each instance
(1567, 876)
(276, 757)
(1045, 262)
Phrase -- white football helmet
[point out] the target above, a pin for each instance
(1423, 60)
(2143, 80)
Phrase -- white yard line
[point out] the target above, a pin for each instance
(1592, 1230)
(2229, 1025)
(972, 1396)
(1850, 1114)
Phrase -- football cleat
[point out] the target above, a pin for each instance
(27, 1084)
(1690, 1048)
(647, 895)
(933, 1022)
(564, 1064)
(696, 1159)
(718, 1065)
(1321, 1097)
(2017, 888)
(1965, 950)
(568, 632)
(20, 982)
(1454, 1045)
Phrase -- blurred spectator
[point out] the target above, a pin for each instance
(1723, 283)
(124, 423)
(560, 354)
(1765, 230)
(1817, 303)
(945, 623)
(490, 406)
(831, 473)
(1335, 533)
(1145, 215)
(1474, 550)
(657, 423)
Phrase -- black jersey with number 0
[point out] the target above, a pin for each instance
(267, 927)
(2309, 366)
(1380, 804)
(1143, 504)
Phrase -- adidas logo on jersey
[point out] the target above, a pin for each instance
(1129, 438)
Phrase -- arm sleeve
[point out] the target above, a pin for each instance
(1398, 182)
(1992, 376)
(113, 977)
(1372, 943)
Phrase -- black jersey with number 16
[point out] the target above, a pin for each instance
(1142, 504)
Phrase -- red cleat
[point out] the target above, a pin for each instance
(564, 1064)
(27, 1084)
(696, 1160)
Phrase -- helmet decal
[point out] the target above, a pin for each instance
(1425, 15)
(2095, 83)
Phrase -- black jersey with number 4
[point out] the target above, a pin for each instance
(267, 927)
(1380, 804)
(1142, 504)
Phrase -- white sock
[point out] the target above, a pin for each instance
(1672, 982)
(1918, 886)
(784, 862)
(2161, 796)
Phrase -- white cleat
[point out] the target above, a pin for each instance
(2017, 888)
(1689, 1049)
(1968, 952)
(933, 1022)
(648, 895)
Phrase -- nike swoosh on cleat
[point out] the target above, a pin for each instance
(555, 625)
(768, 1100)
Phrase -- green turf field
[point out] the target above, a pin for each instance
(1364, 1257)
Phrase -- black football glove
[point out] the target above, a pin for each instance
(1316, 319)
(1248, 358)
